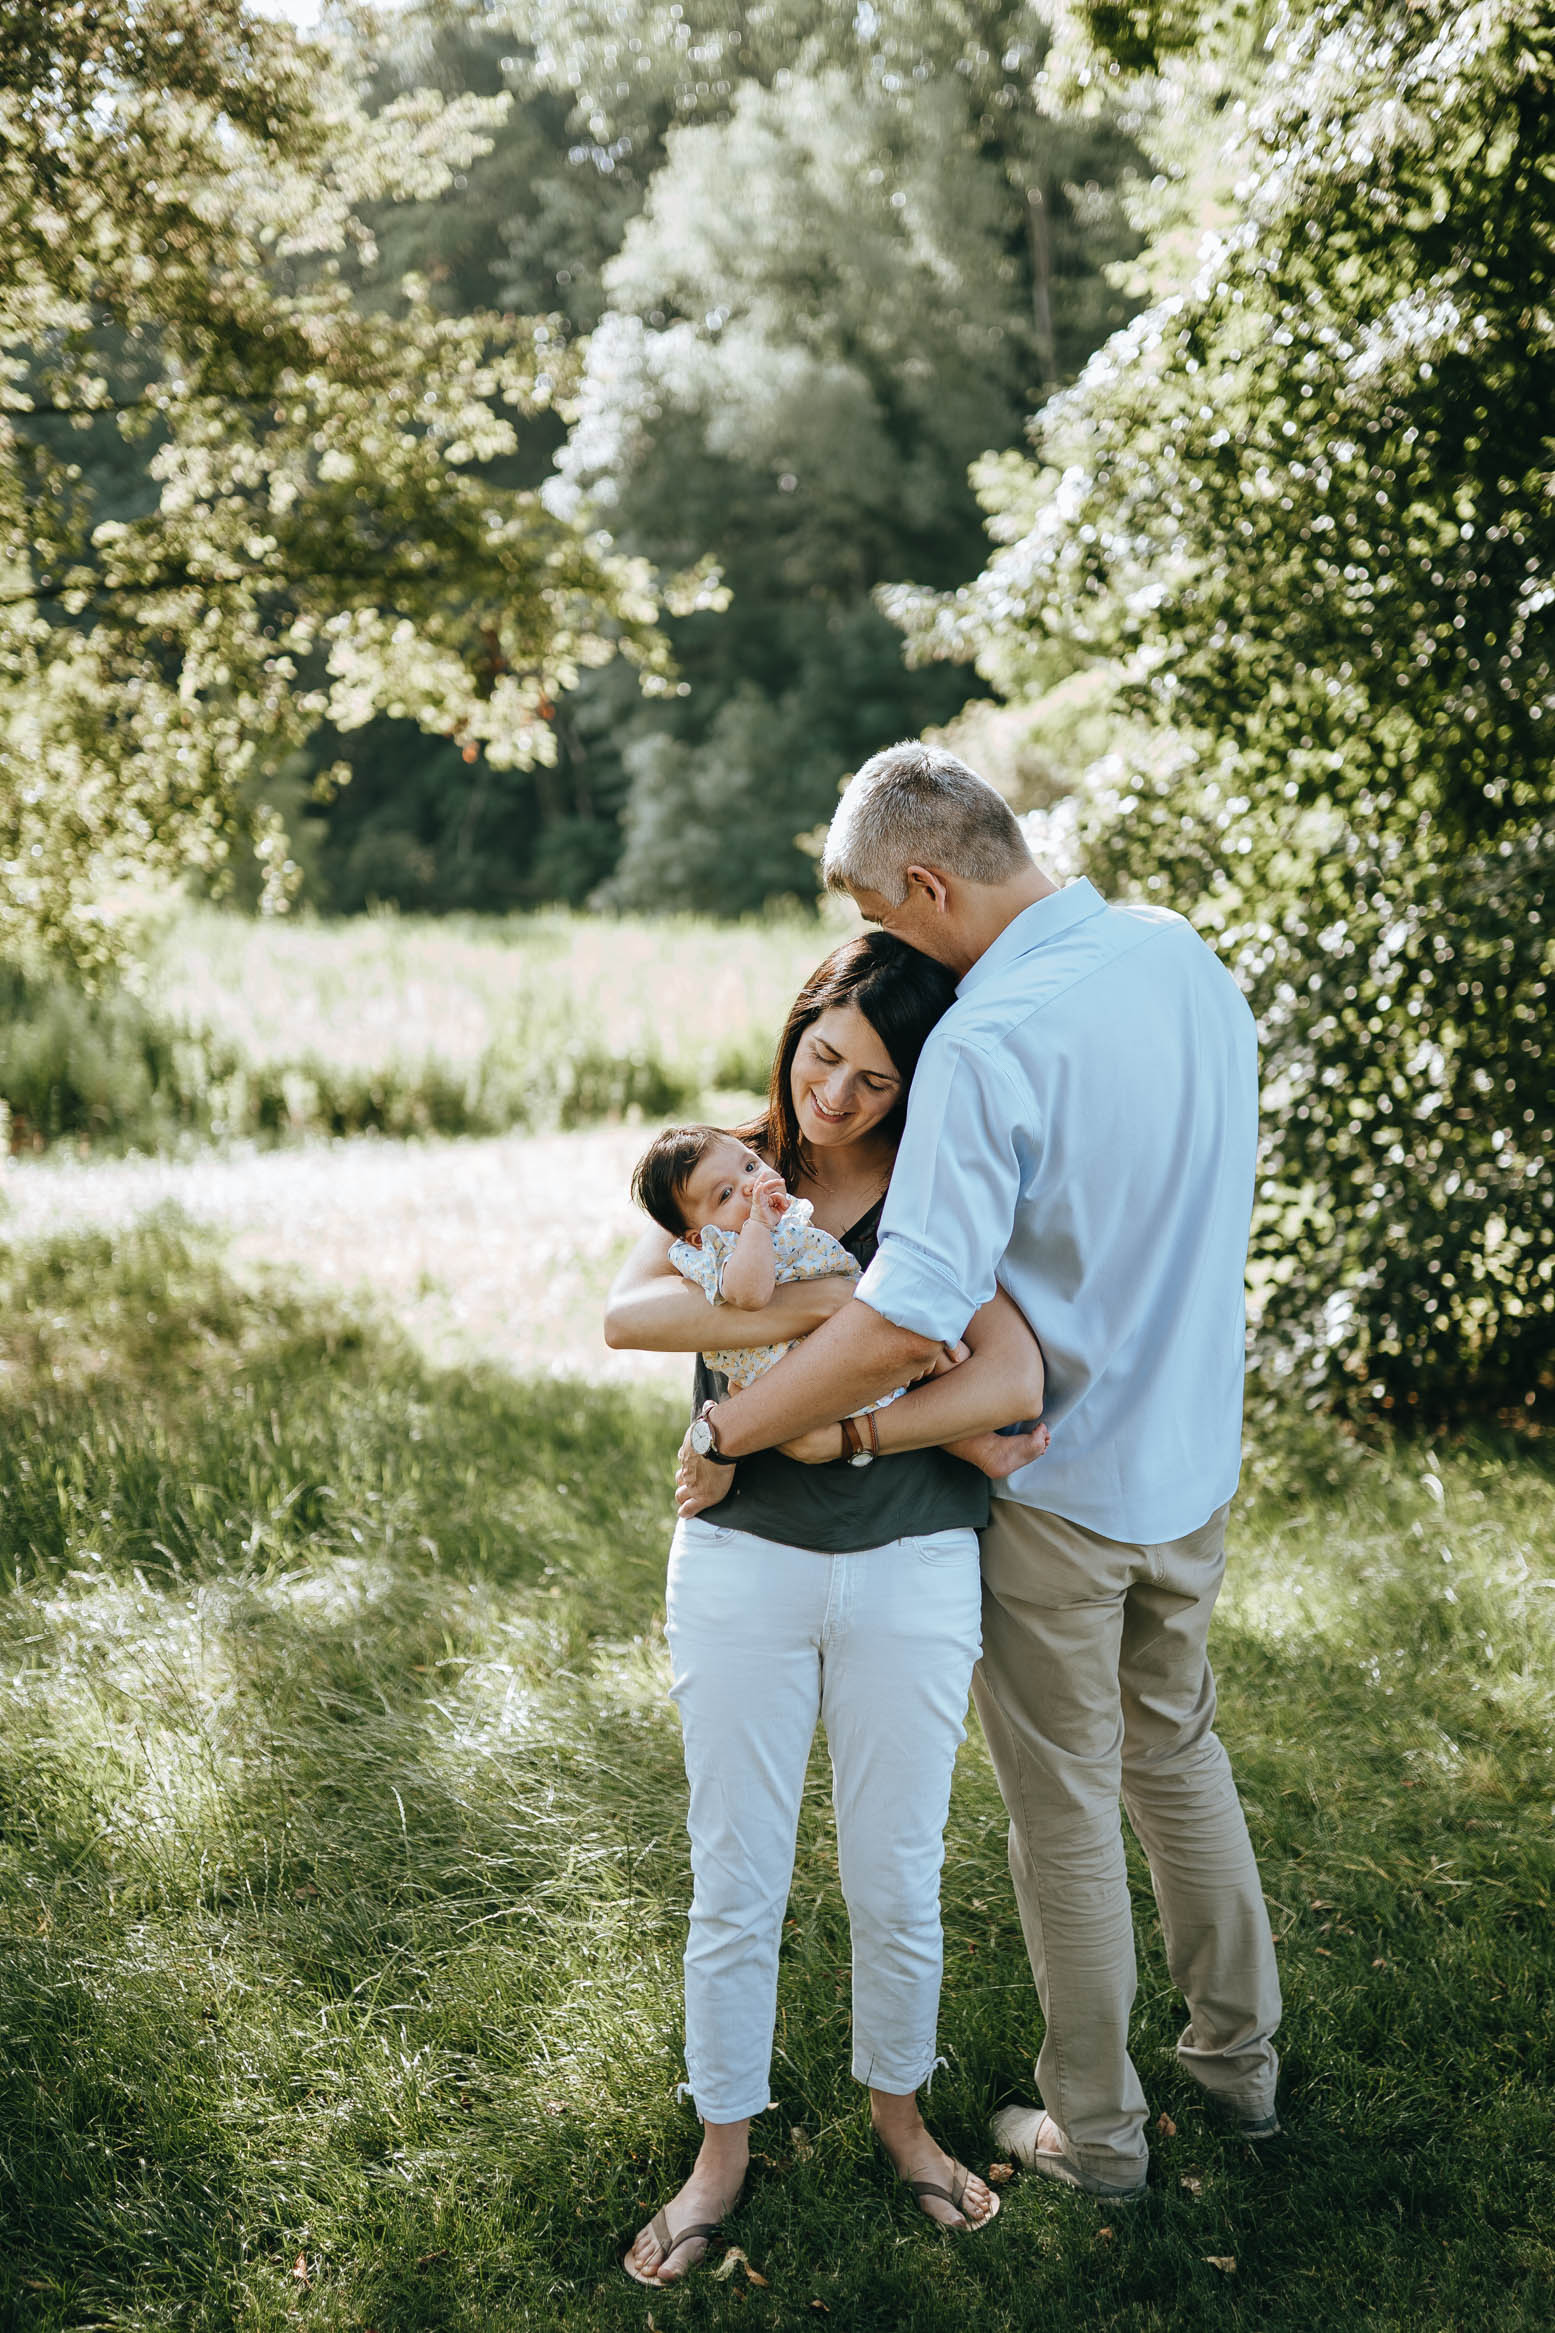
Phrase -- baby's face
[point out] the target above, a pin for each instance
(718, 1188)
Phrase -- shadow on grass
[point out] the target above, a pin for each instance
(343, 1875)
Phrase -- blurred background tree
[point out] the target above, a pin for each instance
(828, 258)
(1295, 526)
(236, 498)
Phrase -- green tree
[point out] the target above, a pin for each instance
(826, 309)
(529, 225)
(182, 238)
(1302, 511)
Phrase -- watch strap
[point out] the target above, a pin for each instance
(712, 1451)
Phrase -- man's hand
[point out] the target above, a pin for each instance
(769, 1198)
(699, 1483)
(819, 1447)
(1001, 1455)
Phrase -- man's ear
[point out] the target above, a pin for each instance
(932, 883)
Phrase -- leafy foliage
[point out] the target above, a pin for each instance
(181, 216)
(847, 278)
(1303, 510)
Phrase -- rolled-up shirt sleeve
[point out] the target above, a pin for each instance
(954, 1189)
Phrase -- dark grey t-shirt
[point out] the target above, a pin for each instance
(839, 1509)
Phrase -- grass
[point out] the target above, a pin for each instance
(342, 1876)
(485, 1249)
(243, 1028)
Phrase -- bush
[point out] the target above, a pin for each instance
(1304, 513)
(250, 1029)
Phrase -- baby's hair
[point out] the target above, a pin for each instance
(666, 1166)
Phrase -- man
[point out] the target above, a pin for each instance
(1082, 1125)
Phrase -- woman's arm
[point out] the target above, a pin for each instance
(998, 1385)
(651, 1309)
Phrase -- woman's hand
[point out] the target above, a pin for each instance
(1001, 1455)
(699, 1483)
(819, 1447)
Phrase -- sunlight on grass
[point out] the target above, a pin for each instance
(500, 1249)
(342, 1868)
(269, 1030)
(375, 990)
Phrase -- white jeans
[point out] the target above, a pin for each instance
(880, 1644)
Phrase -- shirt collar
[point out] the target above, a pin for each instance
(1033, 928)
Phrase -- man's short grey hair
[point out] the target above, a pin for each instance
(918, 806)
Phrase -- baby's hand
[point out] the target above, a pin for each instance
(769, 1199)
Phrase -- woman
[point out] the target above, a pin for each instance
(850, 1592)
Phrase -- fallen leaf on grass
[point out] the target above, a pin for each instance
(1379, 1964)
(1224, 2261)
(427, 2258)
(1000, 2174)
(300, 2270)
(1104, 2235)
(1322, 1952)
(803, 2149)
(1193, 2184)
(734, 2258)
(1165, 2125)
(821, 2305)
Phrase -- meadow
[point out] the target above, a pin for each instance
(342, 1875)
(240, 1028)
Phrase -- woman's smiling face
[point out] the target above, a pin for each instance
(843, 1081)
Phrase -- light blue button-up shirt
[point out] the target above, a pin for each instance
(1082, 1128)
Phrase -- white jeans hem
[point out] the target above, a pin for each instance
(875, 2076)
(705, 2114)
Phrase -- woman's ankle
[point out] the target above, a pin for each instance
(895, 2115)
(724, 2152)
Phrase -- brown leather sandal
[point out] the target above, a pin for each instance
(659, 2230)
(955, 2196)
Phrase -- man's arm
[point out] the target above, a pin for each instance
(853, 1360)
(947, 1221)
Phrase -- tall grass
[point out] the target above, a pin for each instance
(342, 1873)
(244, 1028)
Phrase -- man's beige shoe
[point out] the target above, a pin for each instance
(1035, 2140)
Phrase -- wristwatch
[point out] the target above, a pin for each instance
(853, 1447)
(704, 1439)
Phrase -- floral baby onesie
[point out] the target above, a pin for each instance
(802, 1252)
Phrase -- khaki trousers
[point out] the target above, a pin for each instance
(1095, 1681)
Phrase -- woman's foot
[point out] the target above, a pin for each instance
(716, 2179)
(917, 2154)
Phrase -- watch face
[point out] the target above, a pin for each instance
(701, 1437)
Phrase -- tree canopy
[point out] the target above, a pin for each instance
(1299, 514)
(305, 529)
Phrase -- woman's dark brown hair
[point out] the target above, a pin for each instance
(900, 993)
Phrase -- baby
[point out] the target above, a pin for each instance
(737, 1233)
